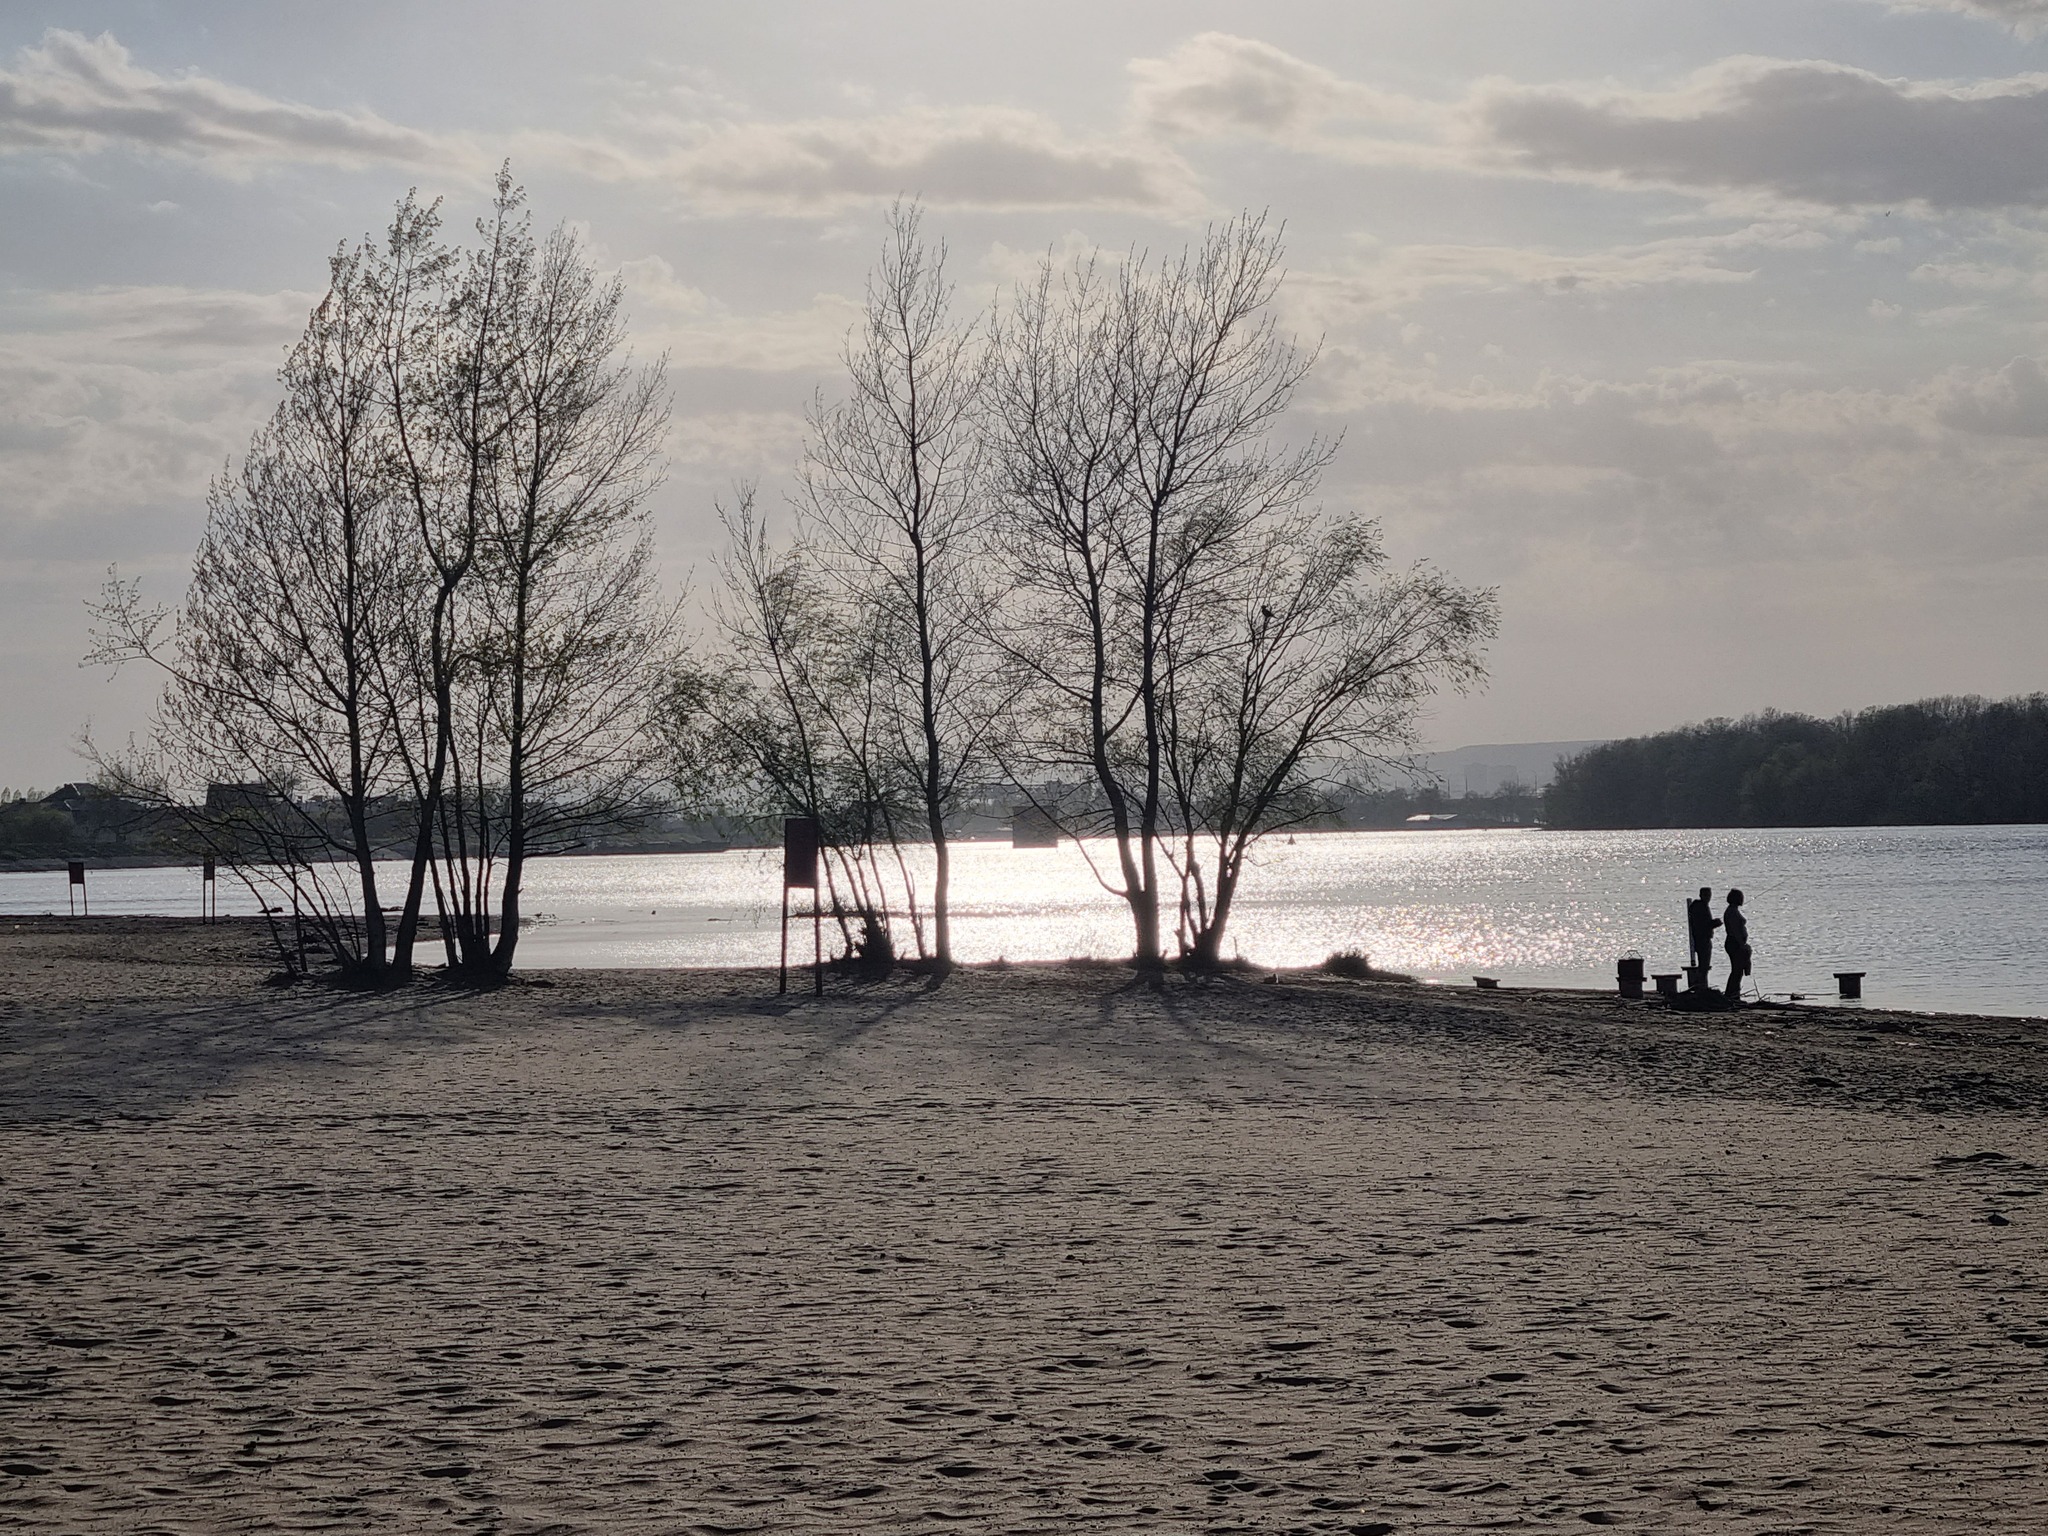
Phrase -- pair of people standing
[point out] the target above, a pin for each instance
(1700, 923)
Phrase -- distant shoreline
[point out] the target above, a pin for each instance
(55, 864)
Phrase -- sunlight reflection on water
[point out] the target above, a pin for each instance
(1941, 917)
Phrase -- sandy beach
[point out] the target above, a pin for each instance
(1039, 1249)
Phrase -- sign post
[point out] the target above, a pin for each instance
(74, 891)
(209, 894)
(800, 872)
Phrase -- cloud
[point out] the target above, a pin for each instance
(2010, 402)
(1799, 131)
(115, 400)
(164, 322)
(2027, 17)
(1382, 279)
(74, 94)
(735, 445)
(1807, 131)
(1684, 469)
(697, 331)
(1215, 86)
(965, 157)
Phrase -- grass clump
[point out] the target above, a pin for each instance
(873, 952)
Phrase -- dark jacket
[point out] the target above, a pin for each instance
(1700, 924)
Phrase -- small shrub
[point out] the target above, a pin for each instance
(1356, 965)
(1353, 964)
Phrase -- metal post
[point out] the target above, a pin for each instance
(782, 972)
(817, 947)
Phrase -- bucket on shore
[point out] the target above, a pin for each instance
(1667, 983)
(1849, 984)
(1628, 975)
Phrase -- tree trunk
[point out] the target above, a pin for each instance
(1144, 904)
(935, 815)
(429, 809)
(942, 917)
(508, 911)
(373, 913)
(1207, 954)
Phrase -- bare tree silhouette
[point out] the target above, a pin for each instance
(1134, 407)
(299, 589)
(429, 593)
(788, 712)
(893, 499)
(1314, 669)
(568, 629)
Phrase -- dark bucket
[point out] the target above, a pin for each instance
(1849, 984)
(1628, 976)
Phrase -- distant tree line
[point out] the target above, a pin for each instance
(1059, 543)
(1936, 762)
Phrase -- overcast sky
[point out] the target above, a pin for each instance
(1711, 334)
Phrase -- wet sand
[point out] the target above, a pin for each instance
(1038, 1250)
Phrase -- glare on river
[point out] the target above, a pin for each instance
(1940, 917)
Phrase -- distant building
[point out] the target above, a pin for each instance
(102, 819)
(226, 799)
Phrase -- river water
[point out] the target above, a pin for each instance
(1941, 918)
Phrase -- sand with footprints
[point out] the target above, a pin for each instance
(1036, 1250)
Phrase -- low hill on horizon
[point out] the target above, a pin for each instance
(1487, 767)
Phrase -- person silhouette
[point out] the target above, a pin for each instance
(1700, 924)
(1735, 938)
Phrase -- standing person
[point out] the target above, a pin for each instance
(1735, 938)
(1700, 924)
